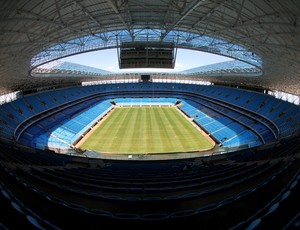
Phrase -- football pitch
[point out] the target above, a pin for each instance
(146, 130)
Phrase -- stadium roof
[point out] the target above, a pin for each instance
(266, 30)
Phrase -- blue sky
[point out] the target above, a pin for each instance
(107, 60)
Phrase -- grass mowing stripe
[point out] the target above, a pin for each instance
(157, 138)
(139, 136)
(102, 137)
(159, 141)
(145, 130)
(180, 124)
(188, 132)
(171, 133)
(130, 133)
(125, 131)
(176, 127)
(109, 126)
(115, 126)
(164, 141)
(166, 129)
(139, 143)
(191, 133)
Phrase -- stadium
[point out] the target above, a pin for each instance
(215, 146)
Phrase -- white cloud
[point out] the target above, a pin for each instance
(178, 65)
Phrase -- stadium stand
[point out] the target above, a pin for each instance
(56, 119)
(194, 190)
(85, 191)
(249, 180)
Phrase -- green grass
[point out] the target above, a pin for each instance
(146, 130)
